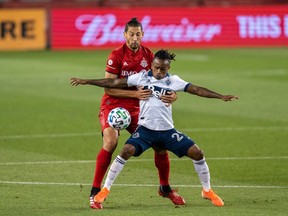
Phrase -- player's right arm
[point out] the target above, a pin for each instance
(107, 82)
(141, 94)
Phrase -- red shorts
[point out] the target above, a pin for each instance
(103, 116)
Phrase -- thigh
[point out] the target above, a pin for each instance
(176, 142)
(141, 139)
(110, 139)
(103, 116)
(134, 120)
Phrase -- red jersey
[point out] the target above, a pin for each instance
(124, 62)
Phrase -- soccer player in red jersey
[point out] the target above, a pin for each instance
(130, 58)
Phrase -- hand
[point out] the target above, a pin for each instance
(76, 81)
(229, 97)
(170, 98)
(143, 94)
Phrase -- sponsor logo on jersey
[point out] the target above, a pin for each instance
(125, 73)
(157, 91)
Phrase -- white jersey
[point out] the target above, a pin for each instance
(154, 114)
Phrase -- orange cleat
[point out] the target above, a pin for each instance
(101, 196)
(216, 200)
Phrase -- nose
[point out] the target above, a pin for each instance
(158, 71)
(134, 38)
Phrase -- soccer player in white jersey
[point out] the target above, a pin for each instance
(156, 128)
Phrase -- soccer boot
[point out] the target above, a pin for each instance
(216, 200)
(101, 196)
(94, 205)
(173, 196)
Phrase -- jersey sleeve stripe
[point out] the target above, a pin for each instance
(188, 84)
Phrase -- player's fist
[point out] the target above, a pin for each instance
(229, 97)
(76, 81)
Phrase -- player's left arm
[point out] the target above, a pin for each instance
(204, 92)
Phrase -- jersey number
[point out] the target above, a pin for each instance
(178, 136)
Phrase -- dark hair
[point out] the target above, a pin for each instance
(133, 23)
(164, 54)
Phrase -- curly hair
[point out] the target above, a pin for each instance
(165, 54)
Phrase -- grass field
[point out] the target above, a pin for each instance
(49, 136)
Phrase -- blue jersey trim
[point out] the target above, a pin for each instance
(185, 89)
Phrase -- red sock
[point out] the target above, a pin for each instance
(102, 163)
(163, 164)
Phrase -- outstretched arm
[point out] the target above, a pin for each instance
(108, 82)
(140, 94)
(204, 92)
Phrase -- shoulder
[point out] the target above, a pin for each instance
(120, 51)
(147, 51)
(173, 76)
(146, 48)
(138, 76)
(177, 79)
(113, 64)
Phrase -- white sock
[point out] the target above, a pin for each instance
(202, 170)
(115, 168)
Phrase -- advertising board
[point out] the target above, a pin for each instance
(171, 27)
(22, 29)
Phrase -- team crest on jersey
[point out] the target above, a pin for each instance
(135, 135)
(144, 63)
(168, 82)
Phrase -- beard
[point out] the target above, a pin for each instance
(134, 46)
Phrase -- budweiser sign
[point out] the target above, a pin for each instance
(97, 28)
(103, 29)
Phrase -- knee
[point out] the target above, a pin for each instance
(195, 153)
(110, 144)
(110, 140)
(199, 155)
(127, 151)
